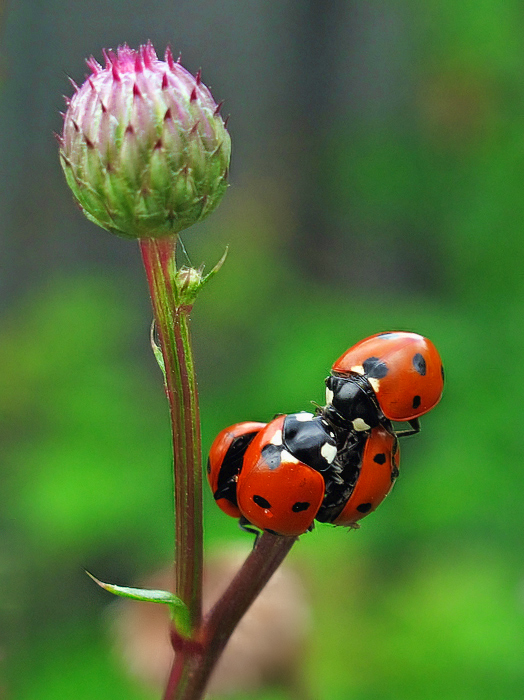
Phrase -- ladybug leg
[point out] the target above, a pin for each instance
(245, 525)
(415, 428)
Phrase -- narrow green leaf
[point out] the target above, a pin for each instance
(157, 351)
(217, 267)
(178, 609)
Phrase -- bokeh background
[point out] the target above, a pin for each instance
(376, 183)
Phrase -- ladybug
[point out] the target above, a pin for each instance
(393, 376)
(280, 485)
(368, 466)
(225, 461)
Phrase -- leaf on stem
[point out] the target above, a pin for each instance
(177, 608)
(217, 267)
(157, 350)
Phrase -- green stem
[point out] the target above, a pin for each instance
(172, 325)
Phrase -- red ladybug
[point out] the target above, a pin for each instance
(397, 376)
(369, 467)
(280, 486)
(225, 461)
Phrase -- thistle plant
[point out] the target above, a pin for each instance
(146, 154)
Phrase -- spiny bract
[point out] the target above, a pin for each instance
(144, 147)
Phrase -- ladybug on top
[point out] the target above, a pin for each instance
(339, 465)
(394, 376)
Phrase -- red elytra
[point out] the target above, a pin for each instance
(225, 462)
(404, 370)
(276, 491)
(378, 471)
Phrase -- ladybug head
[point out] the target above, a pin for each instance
(350, 402)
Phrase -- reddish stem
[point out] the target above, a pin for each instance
(195, 658)
(267, 555)
(175, 676)
(172, 325)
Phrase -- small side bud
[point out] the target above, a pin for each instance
(189, 281)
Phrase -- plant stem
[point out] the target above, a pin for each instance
(195, 658)
(172, 325)
(267, 555)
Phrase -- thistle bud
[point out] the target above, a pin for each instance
(144, 147)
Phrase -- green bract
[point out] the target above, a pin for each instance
(144, 147)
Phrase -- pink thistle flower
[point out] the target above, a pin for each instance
(144, 147)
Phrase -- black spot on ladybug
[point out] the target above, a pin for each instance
(442, 371)
(260, 501)
(416, 402)
(299, 506)
(272, 455)
(419, 363)
(364, 507)
(208, 466)
(375, 368)
(379, 458)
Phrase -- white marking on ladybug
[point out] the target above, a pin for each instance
(329, 452)
(360, 424)
(277, 438)
(358, 369)
(286, 456)
(304, 416)
(375, 383)
(329, 395)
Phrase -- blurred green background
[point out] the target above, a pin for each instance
(376, 183)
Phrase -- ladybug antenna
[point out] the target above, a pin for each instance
(318, 407)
